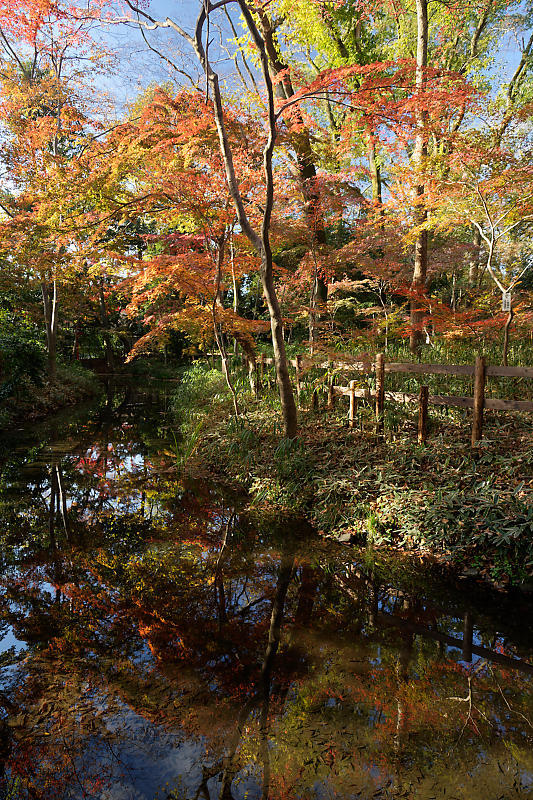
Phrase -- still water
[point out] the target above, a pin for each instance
(159, 642)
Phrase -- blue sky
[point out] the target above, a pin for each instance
(144, 67)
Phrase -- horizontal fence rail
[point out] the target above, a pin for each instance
(407, 366)
(479, 371)
(452, 400)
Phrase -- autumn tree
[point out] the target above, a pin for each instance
(258, 236)
(48, 120)
(166, 170)
(491, 187)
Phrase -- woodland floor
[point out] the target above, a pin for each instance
(470, 508)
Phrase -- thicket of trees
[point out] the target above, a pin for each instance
(346, 173)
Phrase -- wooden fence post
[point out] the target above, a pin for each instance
(314, 401)
(380, 391)
(351, 415)
(479, 399)
(423, 399)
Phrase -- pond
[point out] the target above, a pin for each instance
(159, 641)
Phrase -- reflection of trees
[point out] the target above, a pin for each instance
(347, 719)
(228, 766)
(136, 596)
(274, 635)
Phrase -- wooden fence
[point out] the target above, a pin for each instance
(480, 371)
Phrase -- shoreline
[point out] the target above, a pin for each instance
(68, 389)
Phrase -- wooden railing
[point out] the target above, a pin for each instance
(480, 371)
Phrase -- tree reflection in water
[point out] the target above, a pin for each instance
(160, 642)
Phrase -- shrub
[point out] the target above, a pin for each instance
(202, 391)
(201, 395)
(22, 359)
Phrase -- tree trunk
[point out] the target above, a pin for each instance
(249, 358)
(304, 153)
(375, 172)
(104, 321)
(49, 294)
(259, 239)
(218, 333)
(288, 405)
(76, 344)
(235, 288)
(419, 155)
(473, 267)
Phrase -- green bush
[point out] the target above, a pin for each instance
(76, 377)
(201, 392)
(486, 519)
(202, 396)
(29, 399)
(22, 359)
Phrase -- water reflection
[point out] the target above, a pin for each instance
(158, 642)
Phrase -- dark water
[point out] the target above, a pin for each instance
(159, 643)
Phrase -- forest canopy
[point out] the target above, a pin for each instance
(348, 175)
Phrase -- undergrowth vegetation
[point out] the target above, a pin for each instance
(472, 508)
(27, 395)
